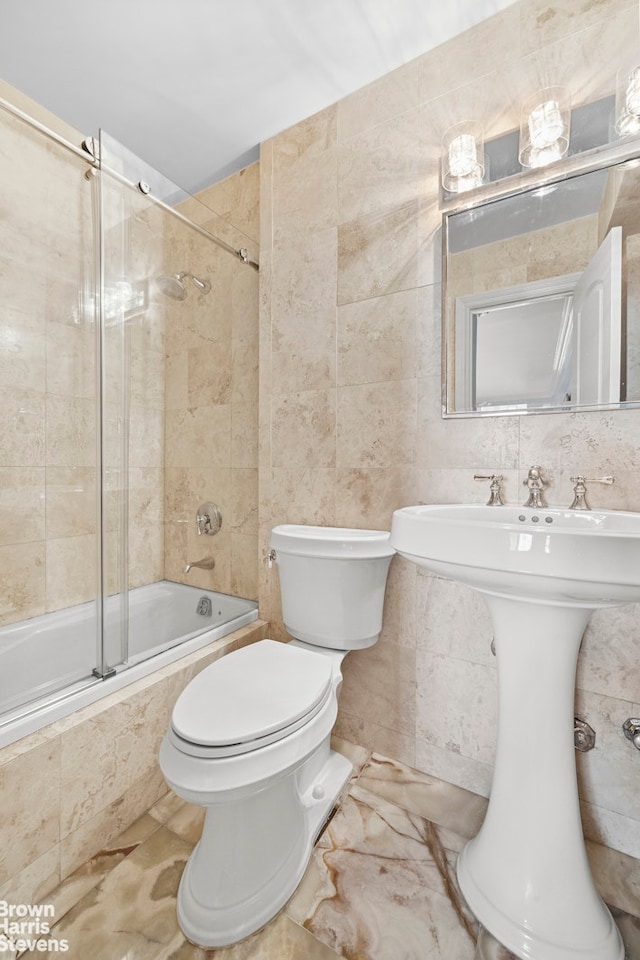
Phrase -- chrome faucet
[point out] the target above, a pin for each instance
(536, 484)
(495, 496)
(580, 490)
(207, 563)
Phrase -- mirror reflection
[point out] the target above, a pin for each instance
(541, 298)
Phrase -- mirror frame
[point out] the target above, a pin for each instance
(600, 158)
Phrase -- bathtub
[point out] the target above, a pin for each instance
(47, 662)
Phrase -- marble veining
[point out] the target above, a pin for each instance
(381, 883)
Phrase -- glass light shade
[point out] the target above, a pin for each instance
(628, 100)
(462, 157)
(545, 127)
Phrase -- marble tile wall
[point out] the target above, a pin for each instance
(350, 424)
(211, 394)
(47, 378)
(68, 789)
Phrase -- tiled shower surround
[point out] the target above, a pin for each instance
(349, 407)
(182, 375)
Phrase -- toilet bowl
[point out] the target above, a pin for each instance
(249, 738)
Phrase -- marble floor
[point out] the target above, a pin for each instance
(380, 886)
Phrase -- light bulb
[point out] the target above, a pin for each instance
(628, 102)
(545, 125)
(463, 155)
(633, 94)
(545, 122)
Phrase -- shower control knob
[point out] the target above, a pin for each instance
(208, 519)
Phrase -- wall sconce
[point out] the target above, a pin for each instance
(545, 127)
(463, 160)
(628, 100)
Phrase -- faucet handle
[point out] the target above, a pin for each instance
(208, 519)
(580, 490)
(495, 498)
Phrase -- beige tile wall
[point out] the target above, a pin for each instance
(350, 424)
(211, 392)
(47, 379)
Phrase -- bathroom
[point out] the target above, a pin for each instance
(336, 421)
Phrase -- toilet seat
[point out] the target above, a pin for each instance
(250, 698)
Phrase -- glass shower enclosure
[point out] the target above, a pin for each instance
(118, 385)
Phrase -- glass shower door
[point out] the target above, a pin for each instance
(49, 530)
(134, 241)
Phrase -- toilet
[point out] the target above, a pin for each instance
(249, 735)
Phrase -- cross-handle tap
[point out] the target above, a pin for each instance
(495, 497)
(580, 490)
(536, 484)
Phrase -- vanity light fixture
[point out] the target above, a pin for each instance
(628, 100)
(463, 162)
(545, 127)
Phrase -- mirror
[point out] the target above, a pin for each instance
(541, 297)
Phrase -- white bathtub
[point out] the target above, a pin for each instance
(47, 662)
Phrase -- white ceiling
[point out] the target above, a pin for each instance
(193, 86)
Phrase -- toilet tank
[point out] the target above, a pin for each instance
(332, 583)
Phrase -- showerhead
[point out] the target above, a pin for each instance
(173, 286)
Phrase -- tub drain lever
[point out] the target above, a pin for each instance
(204, 608)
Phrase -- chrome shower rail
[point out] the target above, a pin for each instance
(47, 131)
(241, 254)
(86, 153)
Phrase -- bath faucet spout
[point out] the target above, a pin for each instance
(535, 483)
(207, 563)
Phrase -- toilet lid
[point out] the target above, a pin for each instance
(251, 694)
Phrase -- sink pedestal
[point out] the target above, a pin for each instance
(543, 572)
(525, 875)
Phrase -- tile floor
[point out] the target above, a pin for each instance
(380, 886)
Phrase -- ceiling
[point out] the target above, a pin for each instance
(193, 86)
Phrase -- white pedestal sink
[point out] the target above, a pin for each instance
(543, 572)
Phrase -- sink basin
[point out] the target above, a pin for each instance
(542, 572)
(586, 558)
